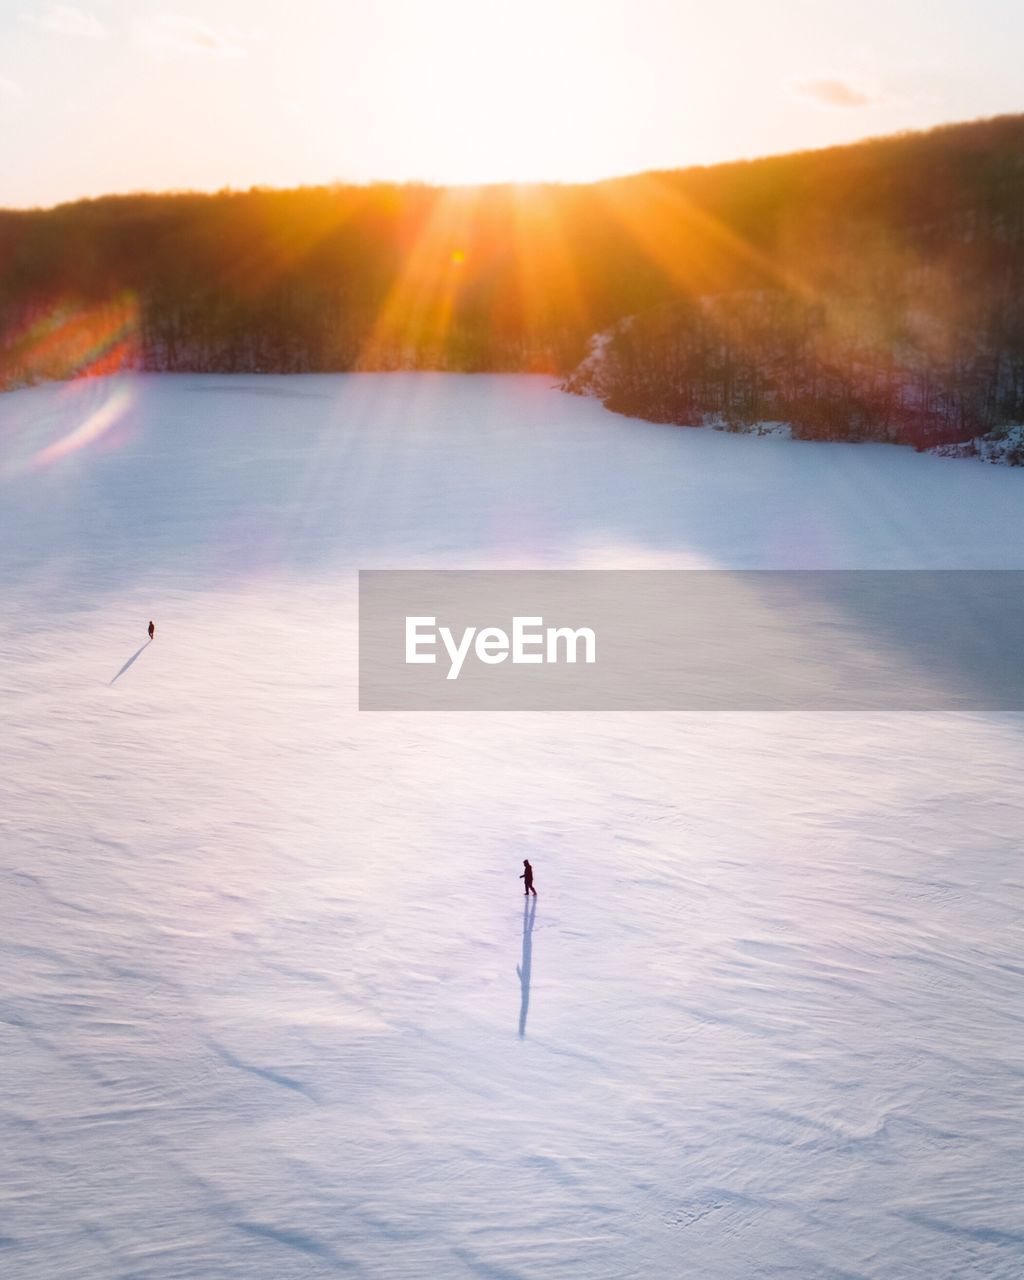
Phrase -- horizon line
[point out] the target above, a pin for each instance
(429, 184)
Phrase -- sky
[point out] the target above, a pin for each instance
(105, 96)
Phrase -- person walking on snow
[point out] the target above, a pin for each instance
(527, 878)
(151, 629)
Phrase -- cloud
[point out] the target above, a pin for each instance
(832, 91)
(172, 33)
(65, 20)
(10, 90)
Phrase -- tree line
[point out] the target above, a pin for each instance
(871, 291)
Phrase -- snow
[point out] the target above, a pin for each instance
(592, 376)
(716, 422)
(1005, 444)
(265, 1005)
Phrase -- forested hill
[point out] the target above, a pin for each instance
(867, 291)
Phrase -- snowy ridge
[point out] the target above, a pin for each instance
(1004, 445)
(593, 376)
(607, 373)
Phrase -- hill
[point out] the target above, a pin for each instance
(871, 291)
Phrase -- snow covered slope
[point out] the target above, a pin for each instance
(272, 1007)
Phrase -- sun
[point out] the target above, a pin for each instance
(469, 94)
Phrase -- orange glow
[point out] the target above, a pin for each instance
(419, 308)
(73, 341)
(546, 270)
(690, 245)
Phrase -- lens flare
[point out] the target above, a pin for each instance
(73, 340)
(95, 425)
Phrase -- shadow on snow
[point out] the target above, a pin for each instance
(523, 969)
(135, 655)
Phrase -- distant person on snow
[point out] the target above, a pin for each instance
(527, 878)
(152, 629)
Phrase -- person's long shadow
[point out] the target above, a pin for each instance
(134, 656)
(529, 911)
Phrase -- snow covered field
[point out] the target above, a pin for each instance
(272, 1007)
